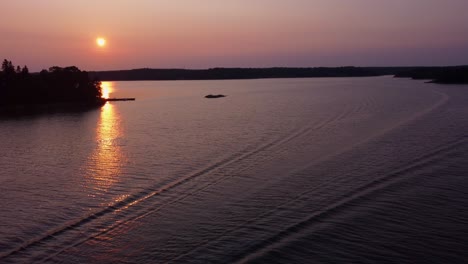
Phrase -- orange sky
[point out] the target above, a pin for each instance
(233, 33)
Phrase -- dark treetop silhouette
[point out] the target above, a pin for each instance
(455, 74)
(65, 86)
(449, 75)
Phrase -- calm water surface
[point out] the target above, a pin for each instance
(281, 171)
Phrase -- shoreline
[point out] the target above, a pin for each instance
(446, 75)
(58, 107)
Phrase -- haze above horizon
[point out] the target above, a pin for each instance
(233, 33)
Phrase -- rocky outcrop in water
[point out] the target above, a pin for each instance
(213, 96)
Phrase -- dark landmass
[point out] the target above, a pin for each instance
(70, 88)
(233, 73)
(456, 74)
(55, 89)
(213, 96)
(448, 75)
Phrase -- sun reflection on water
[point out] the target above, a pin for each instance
(105, 162)
(106, 89)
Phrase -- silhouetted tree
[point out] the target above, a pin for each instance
(69, 84)
(7, 67)
(25, 70)
(4, 65)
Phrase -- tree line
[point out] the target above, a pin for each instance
(57, 85)
(450, 74)
(233, 73)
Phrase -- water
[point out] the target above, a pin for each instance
(331, 170)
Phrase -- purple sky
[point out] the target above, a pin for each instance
(234, 33)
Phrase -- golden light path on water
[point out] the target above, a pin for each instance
(106, 89)
(104, 165)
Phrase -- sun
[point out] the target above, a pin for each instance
(101, 42)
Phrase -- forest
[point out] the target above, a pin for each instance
(448, 75)
(451, 74)
(57, 85)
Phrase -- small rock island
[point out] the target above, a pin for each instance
(213, 96)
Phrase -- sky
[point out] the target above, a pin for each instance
(200, 34)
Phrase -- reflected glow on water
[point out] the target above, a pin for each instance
(107, 157)
(106, 89)
(332, 170)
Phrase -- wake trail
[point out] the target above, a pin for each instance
(444, 98)
(367, 189)
(145, 195)
(382, 182)
(353, 198)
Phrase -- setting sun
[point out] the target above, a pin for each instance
(101, 42)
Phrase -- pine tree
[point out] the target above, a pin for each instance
(25, 70)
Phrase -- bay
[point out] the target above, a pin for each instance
(325, 170)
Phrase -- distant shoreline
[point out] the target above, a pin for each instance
(451, 74)
(25, 99)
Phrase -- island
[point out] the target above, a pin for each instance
(213, 96)
(57, 88)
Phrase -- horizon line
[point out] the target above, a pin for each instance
(278, 67)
